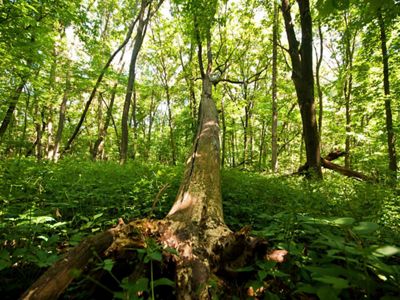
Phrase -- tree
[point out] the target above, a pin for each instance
(195, 225)
(274, 129)
(303, 79)
(388, 108)
(140, 33)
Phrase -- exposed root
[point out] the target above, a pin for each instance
(195, 269)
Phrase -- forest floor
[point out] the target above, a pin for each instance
(342, 235)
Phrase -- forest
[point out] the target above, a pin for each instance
(199, 149)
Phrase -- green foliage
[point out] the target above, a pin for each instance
(342, 235)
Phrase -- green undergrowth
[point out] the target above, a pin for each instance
(342, 235)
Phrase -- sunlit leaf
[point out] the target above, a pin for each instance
(387, 250)
(163, 281)
(366, 228)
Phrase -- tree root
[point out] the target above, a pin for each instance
(194, 268)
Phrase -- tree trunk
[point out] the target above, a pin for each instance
(262, 152)
(189, 81)
(61, 118)
(152, 112)
(194, 226)
(140, 32)
(317, 80)
(303, 79)
(347, 96)
(349, 41)
(223, 155)
(388, 109)
(233, 143)
(16, 94)
(171, 127)
(197, 211)
(274, 129)
(98, 148)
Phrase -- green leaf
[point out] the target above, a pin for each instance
(343, 221)
(5, 261)
(306, 288)
(97, 216)
(262, 274)
(386, 251)
(157, 256)
(326, 293)
(142, 284)
(163, 281)
(336, 282)
(171, 250)
(108, 264)
(366, 228)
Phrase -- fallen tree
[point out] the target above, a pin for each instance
(205, 249)
(327, 163)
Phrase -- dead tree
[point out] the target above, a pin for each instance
(194, 226)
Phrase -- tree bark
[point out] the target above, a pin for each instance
(303, 79)
(349, 41)
(57, 278)
(274, 129)
(197, 211)
(388, 109)
(152, 112)
(317, 81)
(140, 32)
(98, 148)
(61, 118)
(16, 94)
(223, 155)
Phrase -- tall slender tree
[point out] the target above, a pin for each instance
(303, 79)
(388, 106)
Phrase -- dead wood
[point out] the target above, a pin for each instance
(194, 265)
(334, 155)
(344, 171)
(57, 278)
(327, 163)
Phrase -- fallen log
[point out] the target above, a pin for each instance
(327, 163)
(57, 278)
(344, 171)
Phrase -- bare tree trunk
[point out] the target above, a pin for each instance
(302, 75)
(223, 156)
(40, 126)
(274, 133)
(98, 148)
(140, 32)
(197, 211)
(190, 83)
(16, 94)
(152, 113)
(348, 86)
(347, 92)
(262, 152)
(233, 143)
(170, 125)
(317, 80)
(61, 118)
(388, 109)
